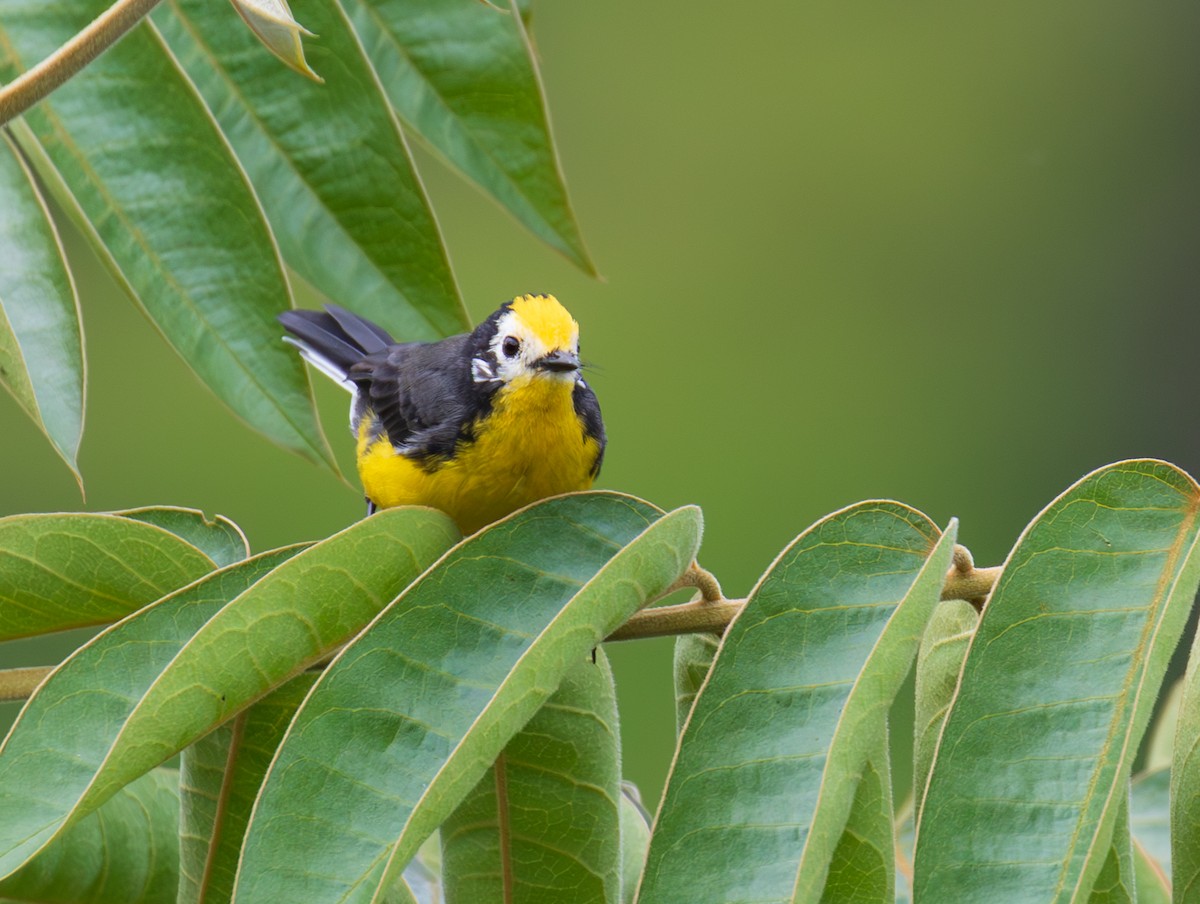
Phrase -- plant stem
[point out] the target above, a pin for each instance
(705, 614)
(17, 684)
(715, 614)
(703, 580)
(695, 617)
(104, 31)
(973, 586)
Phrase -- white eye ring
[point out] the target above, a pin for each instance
(510, 347)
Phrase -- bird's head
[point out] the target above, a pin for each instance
(530, 337)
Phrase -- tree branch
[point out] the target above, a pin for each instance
(104, 31)
(963, 582)
(705, 614)
(17, 684)
(687, 618)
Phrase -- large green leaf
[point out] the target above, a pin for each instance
(288, 620)
(767, 768)
(1116, 883)
(69, 571)
(432, 692)
(218, 537)
(1185, 788)
(863, 867)
(127, 852)
(321, 158)
(219, 778)
(463, 76)
(543, 824)
(938, 664)
(60, 740)
(132, 152)
(41, 337)
(1056, 691)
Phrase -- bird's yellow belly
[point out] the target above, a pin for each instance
(530, 446)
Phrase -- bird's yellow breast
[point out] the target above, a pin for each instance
(529, 446)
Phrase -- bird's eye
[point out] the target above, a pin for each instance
(510, 346)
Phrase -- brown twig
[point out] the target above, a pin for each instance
(710, 612)
(963, 581)
(17, 684)
(687, 618)
(103, 31)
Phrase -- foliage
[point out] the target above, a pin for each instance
(210, 178)
(397, 713)
(467, 693)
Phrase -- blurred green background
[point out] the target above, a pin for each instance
(944, 254)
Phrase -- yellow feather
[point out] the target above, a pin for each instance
(530, 445)
(547, 319)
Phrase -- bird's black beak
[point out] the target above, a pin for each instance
(559, 362)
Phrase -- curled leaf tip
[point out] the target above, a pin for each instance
(274, 25)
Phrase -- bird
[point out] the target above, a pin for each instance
(477, 425)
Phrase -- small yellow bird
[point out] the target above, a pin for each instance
(477, 425)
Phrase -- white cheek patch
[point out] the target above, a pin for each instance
(532, 348)
(481, 371)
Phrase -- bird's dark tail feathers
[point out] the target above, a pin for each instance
(333, 340)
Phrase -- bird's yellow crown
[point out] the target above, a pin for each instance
(547, 319)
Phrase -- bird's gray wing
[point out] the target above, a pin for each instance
(421, 394)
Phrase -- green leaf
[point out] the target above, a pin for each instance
(127, 852)
(863, 867)
(41, 336)
(271, 21)
(288, 620)
(1150, 816)
(321, 157)
(694, 655)
(59, 742)
(219, 778)
(1057, 688)
(445, 64)
(938, 664)
(435, 688)
(635, 840)
(1115, 883)
(1153, 885)
(543, 824)
(1185, 788)
(133, 154)
(70, 571)
(218, 538)
(766, 771)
